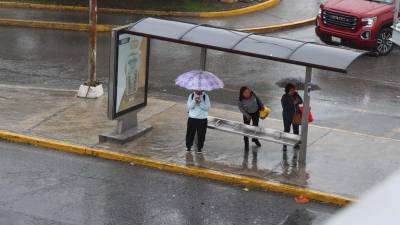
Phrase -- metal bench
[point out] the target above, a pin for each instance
(261, 133)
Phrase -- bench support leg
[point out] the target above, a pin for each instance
(304, 120)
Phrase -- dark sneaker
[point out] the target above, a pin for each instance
(199, 151)
(188, 149)
(257, 142)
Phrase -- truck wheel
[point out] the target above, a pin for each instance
(383, 43)
(327, 42)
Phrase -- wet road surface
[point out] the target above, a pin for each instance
(47, 187)
(365, 100)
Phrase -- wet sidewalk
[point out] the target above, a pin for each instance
(339, 162)
(286, 11)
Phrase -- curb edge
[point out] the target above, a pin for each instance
(279, 27)
(106, 27)
(53, 25)
(192, 171)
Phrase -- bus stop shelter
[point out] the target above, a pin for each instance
(309, 55)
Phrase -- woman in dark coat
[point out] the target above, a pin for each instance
(250, 106)
(290, 103)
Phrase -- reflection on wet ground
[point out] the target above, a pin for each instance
(223, 152)
(290, 170)
(253, 166)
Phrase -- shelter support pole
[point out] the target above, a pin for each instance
(304, 119)
(203, 58)
(91, 88)
(396, 12)
(92, 43)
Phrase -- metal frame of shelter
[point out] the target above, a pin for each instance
(396, 23)
(310, 55)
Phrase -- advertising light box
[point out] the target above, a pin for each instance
(128, 73)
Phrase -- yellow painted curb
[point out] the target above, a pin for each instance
(22, 5)
(107, 28)
(53, 25)
(279, 27)
(193, 171)
(234, 12)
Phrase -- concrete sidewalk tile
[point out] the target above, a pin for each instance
(23, 109)
(347, 164)
(84, 121)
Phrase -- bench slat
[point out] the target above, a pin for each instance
(262, 133)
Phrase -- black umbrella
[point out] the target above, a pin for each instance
(299, 83)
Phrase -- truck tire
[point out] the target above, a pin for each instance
(327, 42)
(383, 43)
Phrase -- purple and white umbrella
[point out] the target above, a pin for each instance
(199, 80)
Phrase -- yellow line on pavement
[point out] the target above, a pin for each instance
(279, 27)
(106, 28)
(193, 171)
(241, 11)
(234, 12)
(53, 25)
(51, 7)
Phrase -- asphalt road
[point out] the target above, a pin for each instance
(40, 186)
(366, 100)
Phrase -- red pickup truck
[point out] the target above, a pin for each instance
(363, 24)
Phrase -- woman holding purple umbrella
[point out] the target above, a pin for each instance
(198, 105)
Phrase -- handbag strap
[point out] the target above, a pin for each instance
(296, 110)
(260, 106)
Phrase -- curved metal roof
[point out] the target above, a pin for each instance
(272, 48)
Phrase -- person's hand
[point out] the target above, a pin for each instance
(198, 100)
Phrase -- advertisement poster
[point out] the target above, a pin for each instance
(131, 72)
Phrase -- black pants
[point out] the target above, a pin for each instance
(193, 126)
(255, 118)
(287, 123)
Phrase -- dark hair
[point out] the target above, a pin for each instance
(242, 89)
(288, 87)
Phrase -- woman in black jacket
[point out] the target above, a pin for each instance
(290, 103)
